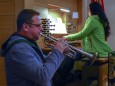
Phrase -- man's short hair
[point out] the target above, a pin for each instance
(25, 16)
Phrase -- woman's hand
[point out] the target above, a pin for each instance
(65, 38)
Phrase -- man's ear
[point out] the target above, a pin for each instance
(25, 27)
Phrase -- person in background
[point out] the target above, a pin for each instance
(25, 63)
(94, 33)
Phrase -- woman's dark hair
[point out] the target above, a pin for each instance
(96, 9)
(25, 16)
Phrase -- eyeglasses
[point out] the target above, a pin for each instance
(37, 25)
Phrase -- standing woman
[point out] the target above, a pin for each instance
(95, 32)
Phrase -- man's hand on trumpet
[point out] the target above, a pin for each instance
(61, 45)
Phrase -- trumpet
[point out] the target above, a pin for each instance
(72, 49)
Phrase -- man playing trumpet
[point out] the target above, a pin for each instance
(25, 63)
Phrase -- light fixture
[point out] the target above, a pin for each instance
(65, 10)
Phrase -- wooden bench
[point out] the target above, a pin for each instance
(111, 70)
(98, 71)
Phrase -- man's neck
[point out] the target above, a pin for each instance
(25, 35)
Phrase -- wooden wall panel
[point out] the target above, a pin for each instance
(2, 72)
(7, 22)
(6, 0)
(4, 34)
(7, 7)
(7, 17)
(8, 13)
(2, 67)
(2, 78)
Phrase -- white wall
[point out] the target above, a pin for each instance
(110, 12)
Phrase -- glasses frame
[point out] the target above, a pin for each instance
(37, 25)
